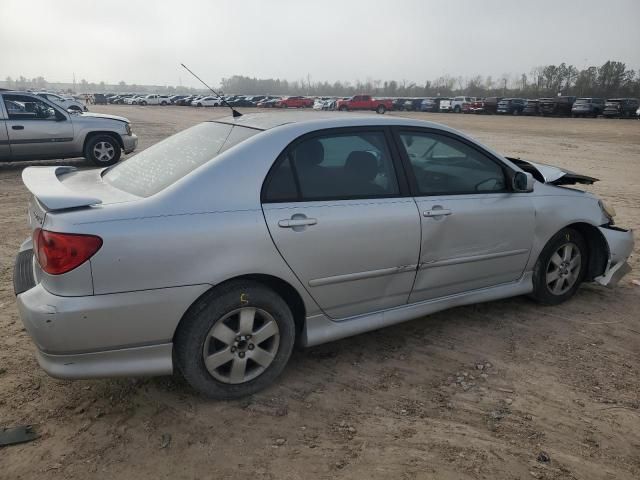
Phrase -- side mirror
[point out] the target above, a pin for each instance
(522, 182)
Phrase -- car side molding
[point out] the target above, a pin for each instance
(321, 329)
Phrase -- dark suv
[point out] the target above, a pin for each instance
(491, 104)
(531, 107)
(584, 107)
(556, 106)
(512, 106)
(620, 107)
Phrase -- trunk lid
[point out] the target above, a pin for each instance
(552, 175)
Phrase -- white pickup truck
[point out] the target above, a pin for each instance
(154, 99)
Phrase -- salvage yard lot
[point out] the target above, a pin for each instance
(473, 392)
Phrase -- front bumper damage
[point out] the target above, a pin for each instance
(620, 244)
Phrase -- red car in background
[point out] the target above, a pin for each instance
(364, 102)
(295, 102)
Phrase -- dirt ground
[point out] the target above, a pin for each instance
(473, 392)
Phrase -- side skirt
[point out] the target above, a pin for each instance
(320, 329)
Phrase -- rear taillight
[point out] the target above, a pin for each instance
(59, 253)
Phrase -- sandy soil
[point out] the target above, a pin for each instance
(474, 392)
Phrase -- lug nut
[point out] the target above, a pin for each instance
(251, 346)
(233, 349)
(241, 354)
(238, 339)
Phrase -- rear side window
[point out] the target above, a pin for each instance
(443, 165)
(164, 163)
(333, 167)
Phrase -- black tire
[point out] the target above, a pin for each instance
(381, 109)
(194, 329)
(541, 290)
(198, 104)
(163, 103)
(143, 103)
(91, 155)
(343, 108)
(456, 109)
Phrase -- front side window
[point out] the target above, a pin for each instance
(332, 167)
(443, 165)
(25, 107)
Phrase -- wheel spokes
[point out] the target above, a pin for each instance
(247, 318)
(267, 331)
(556, 259)
(261, 356)
(218, 359)
(223, 333)
(238, 367)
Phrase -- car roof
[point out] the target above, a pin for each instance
(317, 120)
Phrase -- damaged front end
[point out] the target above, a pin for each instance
(620, 243)
(616, 244)
(550, 174)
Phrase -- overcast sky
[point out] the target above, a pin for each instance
(144, 42)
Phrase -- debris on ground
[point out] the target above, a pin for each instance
(15, 435)
(543, 457)
(166, 440)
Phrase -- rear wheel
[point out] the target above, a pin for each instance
(381, 109)
(102, 150)
(343, 108)
(235, 340)
(560, 267)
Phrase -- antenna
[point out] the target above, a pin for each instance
(235, 113)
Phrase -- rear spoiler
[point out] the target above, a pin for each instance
(44, 184)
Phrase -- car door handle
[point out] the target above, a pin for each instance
(437, 212)
(17, 127)
(297, 222)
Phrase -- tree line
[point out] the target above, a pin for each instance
(611, 79)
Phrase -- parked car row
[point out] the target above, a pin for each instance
(553, 106)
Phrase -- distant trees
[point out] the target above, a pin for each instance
(611, 79)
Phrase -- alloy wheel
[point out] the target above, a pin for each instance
(563, 268)
(241, 345)
(104, 151)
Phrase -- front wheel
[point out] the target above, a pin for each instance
(560, 268)
(235, 340)
(381, 109)
(143, 103)
(102, 150)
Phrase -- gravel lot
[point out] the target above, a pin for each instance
(474, 392)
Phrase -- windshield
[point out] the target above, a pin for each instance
(164, 163)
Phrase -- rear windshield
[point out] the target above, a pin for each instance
(164, 163)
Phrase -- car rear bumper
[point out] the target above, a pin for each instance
(620, 244)
(147, 360)
(130, 142)
(120, 334)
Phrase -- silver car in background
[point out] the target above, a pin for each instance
(33, 128)
(214, 251)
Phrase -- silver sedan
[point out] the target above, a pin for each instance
(216, 250)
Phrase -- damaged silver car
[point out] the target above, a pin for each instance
(214, 251)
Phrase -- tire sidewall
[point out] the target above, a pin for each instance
(88, 153)
(197, 323)
(541, 290)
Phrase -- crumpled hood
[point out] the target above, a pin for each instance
(102, 115)
(550, 174)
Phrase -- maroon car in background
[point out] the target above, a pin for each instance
(295, 102)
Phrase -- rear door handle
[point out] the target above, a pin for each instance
(297, 222)
(17, 127)
(438, 212)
